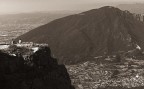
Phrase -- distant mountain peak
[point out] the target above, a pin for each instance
(77, 37)
(104, 9)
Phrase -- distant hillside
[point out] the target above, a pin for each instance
(134, 8)
(78, 37)
(32, 18)
(14, 25)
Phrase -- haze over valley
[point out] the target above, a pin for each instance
(14, 25)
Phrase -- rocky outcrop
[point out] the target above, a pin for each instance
(40, 72)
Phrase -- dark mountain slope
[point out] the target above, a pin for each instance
(89, 34)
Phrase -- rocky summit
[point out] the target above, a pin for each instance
(79, 37)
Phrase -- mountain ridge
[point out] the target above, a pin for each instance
(96, 32)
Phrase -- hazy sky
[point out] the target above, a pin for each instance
(18, 6)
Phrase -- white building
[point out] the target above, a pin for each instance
(4, 46)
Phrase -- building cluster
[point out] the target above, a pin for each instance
(28, 44)
(139, 17)
(90, 75)
(21, 44)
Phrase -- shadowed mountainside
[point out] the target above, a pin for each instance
(89, 34)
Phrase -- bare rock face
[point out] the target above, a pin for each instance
(78, 37)
(41, 72)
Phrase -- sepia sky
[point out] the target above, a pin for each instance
(19, 6)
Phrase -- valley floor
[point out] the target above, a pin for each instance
(90, 75)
